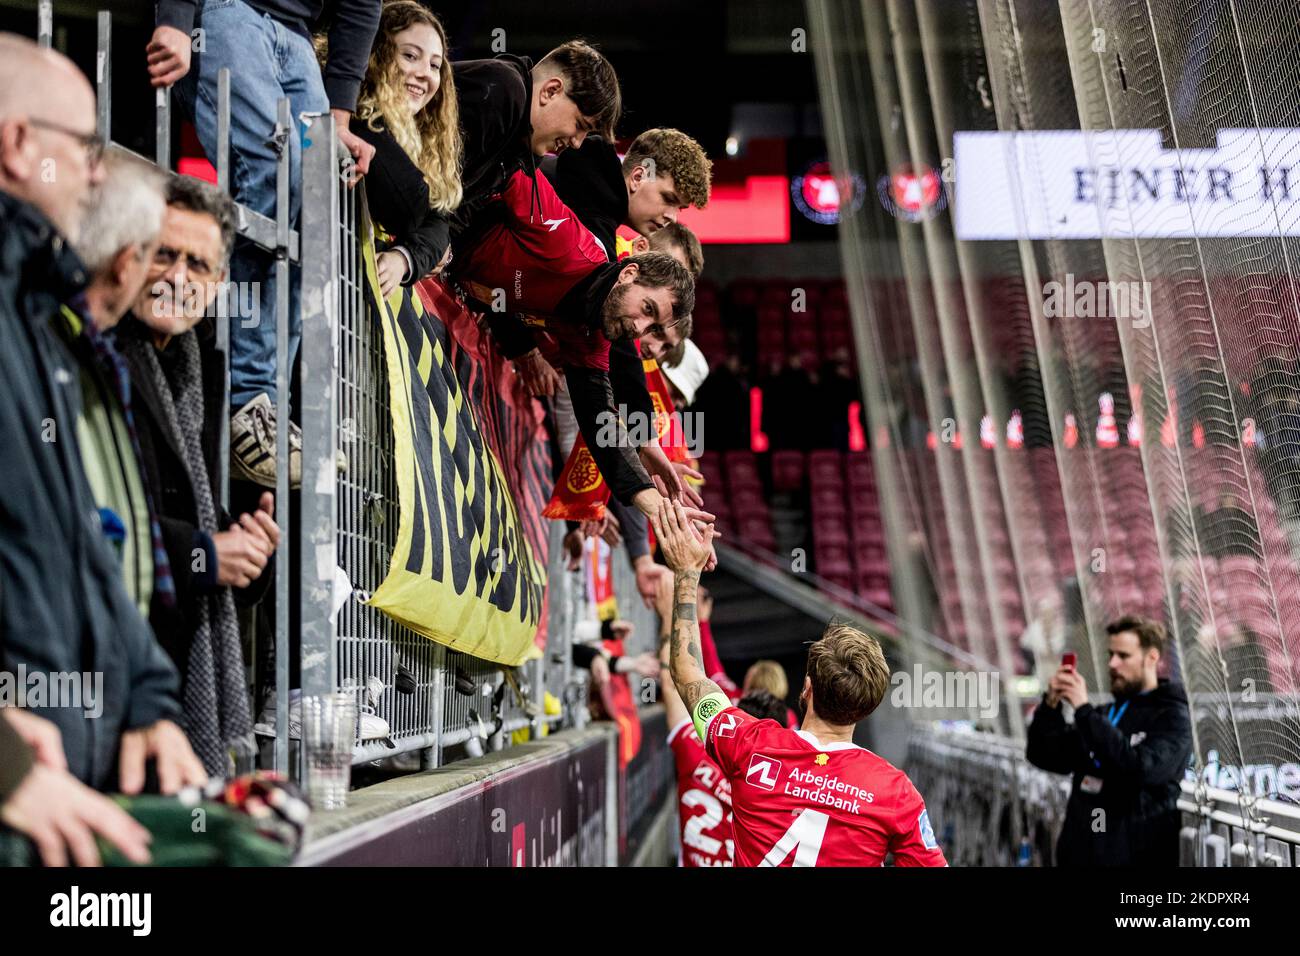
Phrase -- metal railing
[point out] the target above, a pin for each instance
(345, 522)
(992, 807)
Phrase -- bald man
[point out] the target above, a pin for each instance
(65, 610)
(49, 151)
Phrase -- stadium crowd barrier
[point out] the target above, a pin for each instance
(994, 808)
(345, 526)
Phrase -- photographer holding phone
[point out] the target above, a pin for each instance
(1126, 758)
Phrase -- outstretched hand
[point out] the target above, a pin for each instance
(689, 493)
(684, 548)
(668, 476)
(537, 374)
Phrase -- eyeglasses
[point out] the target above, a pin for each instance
(93, 143)
(166, 257)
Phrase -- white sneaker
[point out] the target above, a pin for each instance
(265, 726)
(370, 725)
(373, 727)
(252, 445)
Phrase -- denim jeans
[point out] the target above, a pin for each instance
(267, 62)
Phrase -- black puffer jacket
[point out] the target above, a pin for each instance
(495, 99)
(1139, 762)
(63, 606)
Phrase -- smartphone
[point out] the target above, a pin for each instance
(1069, 659)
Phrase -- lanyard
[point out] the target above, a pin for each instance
(1114, 715)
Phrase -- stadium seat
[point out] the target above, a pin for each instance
(826, 467)
(827, 501)
(757, 531)
(828, 530)
(787, 470)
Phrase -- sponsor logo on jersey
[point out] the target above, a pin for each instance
(726, 724)
(706, 774)
(555, 223)
(763, 771)
(927, 831)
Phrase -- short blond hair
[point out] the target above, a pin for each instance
(849, 674)
(768, 676)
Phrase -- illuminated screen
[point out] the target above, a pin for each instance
(756, 210)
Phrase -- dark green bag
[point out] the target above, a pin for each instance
(207, 834)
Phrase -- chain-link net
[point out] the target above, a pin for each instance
(1046, 470)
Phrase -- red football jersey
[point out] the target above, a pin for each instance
(703, 801)
(529, 260)
(534, 253)
(796, 802)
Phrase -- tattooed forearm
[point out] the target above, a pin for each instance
(682, 638)
(694, 691)
(685, 659)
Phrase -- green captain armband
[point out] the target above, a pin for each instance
(708, 708)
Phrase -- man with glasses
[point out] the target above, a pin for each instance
(65, 610)
(178, 396)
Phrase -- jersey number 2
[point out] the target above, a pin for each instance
(693, 836)
(804, 837)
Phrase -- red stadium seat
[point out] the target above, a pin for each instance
(829, 530)
(827, 501)
(830, 553)
(870, 554)
(863, 502)
(757, 531)
(875, 588)
(787, 470)
(802, 336)
(867, 528)
(826, 467)
(743, 293)
(771, 316)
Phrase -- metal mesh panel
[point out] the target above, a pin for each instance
(370, 644)
(1155, 470)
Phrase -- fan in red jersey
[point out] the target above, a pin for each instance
(808, 797)
(703, 792)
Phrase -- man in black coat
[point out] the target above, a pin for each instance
(178, 396)
(63, 607)
(1127, 760)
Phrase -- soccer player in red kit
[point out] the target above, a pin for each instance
(703, 792)
(808, 797)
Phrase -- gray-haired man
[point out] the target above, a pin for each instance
(118, 239)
